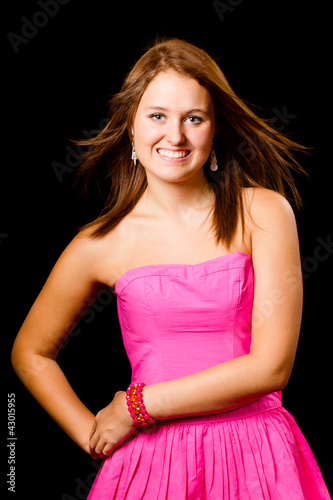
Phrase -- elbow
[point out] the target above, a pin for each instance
(278, 379)
(15, 357)
(20, 360)
(272, 374)
(26, 362)
(279, 383)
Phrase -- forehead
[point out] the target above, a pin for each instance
(172, 90)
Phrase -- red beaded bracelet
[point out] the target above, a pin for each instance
(136, 407)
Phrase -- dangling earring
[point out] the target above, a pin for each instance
(134, 157)
(213, 160)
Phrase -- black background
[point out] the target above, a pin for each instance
(275, 54)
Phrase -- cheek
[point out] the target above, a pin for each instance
(145, 135)
(202, 140)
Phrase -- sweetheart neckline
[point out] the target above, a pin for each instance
(246, 255)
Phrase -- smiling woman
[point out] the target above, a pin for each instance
(244, 143)
(193, 265)
(168, 136)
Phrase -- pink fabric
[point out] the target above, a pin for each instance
(180, 319)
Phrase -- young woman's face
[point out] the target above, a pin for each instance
(174, 127)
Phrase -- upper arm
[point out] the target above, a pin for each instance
(277, 304)
(71, 282)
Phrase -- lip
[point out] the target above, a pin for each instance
(167, 154)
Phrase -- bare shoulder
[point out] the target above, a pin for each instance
(81, 255)
(103, 256)
(83, 246)
(273, 229)
(267, 209)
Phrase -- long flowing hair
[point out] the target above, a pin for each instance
(250, 151)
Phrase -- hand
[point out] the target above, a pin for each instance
(111, 427)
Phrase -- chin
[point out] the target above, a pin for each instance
(170, 174)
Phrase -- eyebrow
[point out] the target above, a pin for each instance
(193, 110)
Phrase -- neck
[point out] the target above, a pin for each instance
(177, 199)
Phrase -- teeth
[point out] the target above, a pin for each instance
(172, 154)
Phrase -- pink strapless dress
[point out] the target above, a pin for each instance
(177, 320)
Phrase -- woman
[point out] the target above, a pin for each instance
(196, 209)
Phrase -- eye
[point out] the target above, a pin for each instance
(194, 119)
(156, 116)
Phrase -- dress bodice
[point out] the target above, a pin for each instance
(178, 319)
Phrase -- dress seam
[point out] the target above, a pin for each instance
(157, 332)
(236, 316)
(227, 419)
(121, 327)
(177, 276)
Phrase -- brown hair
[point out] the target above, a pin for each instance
(250, 152)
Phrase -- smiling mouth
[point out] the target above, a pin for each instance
(173, 154)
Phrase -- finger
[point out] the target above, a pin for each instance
(93, 443)
(95, 455)
(93, 429)
(100, 446)
(107, 450)
(95, 436)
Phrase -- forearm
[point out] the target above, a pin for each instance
(47, 383)
(220, 388)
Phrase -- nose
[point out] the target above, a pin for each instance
(175, 133)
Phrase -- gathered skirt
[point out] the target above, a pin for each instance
(256, 452)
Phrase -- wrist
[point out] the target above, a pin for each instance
(136, 406)
(154, 404)
(124, 411)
